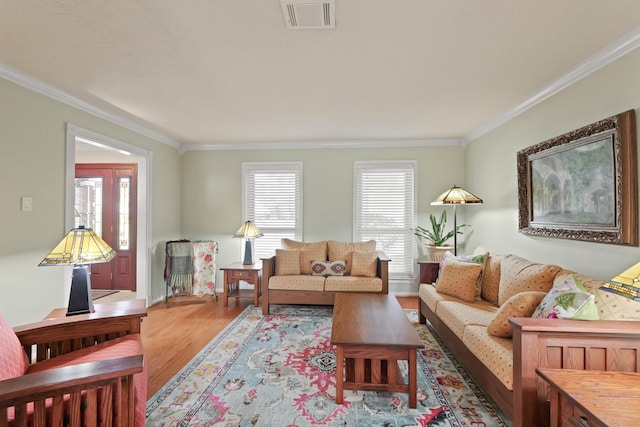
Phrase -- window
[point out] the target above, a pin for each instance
(384, 210)
(273, 201)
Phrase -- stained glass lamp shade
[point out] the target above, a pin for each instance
(79, 248)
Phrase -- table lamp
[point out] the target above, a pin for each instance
(626, 284)
(79, 248)
(456, 196)
(248, 231)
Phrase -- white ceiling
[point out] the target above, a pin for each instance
(217, 72)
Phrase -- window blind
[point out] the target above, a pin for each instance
(384, 210)
(273, 201)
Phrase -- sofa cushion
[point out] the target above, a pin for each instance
(287, 262)
(298, 283)
(13, 359)
(343, 250)
(308, 252)
(427, 293)
(521, 275)
(519, 305)
(491, 279)
(365, 263)
(479, 258)
(610, 306)
(458, 315)
(458, 279)
(568, 299)
(353, 284)
(328, 268)
(494, 352)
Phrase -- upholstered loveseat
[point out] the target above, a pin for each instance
(312, 273)
(86, 369)
(488, 324)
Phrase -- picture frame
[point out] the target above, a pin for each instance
(582, 185)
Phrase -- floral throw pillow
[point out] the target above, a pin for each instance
(567, 299)
(328, 268)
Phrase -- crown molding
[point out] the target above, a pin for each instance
(303, 145)
(611, 53)
(50, 91)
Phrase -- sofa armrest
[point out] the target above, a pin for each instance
(382, 271)
(268, 269)
(606, 345)
(60, 335)
(72, 380)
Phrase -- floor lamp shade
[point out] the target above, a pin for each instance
(248, 231)
(79, 248)
(456, 196)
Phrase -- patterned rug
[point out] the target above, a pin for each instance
(279, 370)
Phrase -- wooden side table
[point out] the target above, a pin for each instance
(592, 398)
(428, 271)
(128, 313)
(236, 272)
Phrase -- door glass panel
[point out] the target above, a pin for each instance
(123, 213)
(88, 204)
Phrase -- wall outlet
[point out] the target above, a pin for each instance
(27, 204)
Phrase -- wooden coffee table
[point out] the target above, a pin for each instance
(371, 333)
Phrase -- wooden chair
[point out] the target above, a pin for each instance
(84, 370)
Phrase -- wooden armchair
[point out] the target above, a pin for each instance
(84, 370)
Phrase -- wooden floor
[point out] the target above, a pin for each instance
(173, 335)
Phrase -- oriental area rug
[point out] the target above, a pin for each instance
(279, 370)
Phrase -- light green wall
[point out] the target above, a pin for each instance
(198, 195)
(212, 190)
(32, 163)
(491, 170)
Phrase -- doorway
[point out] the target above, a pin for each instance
(103, 149)
(105, 201)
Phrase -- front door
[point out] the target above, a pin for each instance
(105, 200)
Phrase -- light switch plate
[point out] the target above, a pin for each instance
(27, 204)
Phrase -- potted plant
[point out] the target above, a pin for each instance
(437, 236)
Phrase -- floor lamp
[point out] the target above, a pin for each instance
(79, 248)
(456, 196)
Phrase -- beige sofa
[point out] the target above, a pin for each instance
(312, 273)
(494, 336)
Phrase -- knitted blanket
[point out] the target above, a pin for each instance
(180, 266)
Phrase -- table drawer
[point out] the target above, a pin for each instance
(241, 275)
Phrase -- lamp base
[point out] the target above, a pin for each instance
(80, 299)
(248, 256)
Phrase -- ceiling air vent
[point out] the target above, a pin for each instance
(309, 14)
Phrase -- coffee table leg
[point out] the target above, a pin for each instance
(413, 386)
(339, 374)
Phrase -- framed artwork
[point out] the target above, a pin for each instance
(582, 185)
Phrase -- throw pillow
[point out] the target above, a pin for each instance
(328, 268)
(365, 263)
(521, 275)
(519, 305)
(458, 279)
(310, 252)
(13, 359)
(480, 259)
(611, 306)
(344, 251)
(287, 262)
(568, 299)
